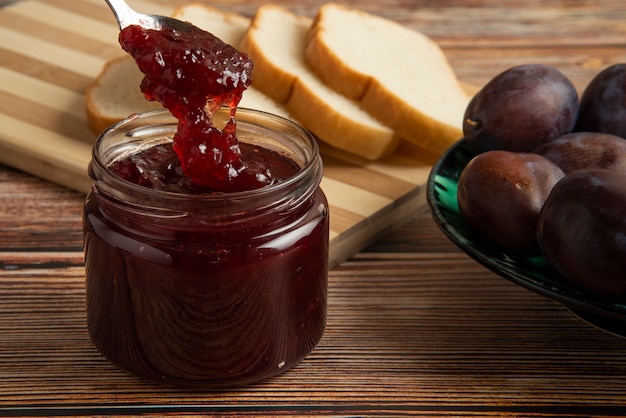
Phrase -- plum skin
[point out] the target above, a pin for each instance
(500, 194)
(521, 108)
(582, 231)
(603, 103)
(581, 150)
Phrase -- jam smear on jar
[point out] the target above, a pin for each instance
(193, 74)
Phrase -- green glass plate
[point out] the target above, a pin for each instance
(532, 273)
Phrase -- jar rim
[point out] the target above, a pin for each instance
(245, 115)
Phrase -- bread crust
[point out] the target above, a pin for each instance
(96, 120)
(115, 95)
(332, 117)
(344, 133)
(409, 112)
(410, 123)
(267, 76)
(330, 66)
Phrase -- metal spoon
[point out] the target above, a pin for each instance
(126, 16)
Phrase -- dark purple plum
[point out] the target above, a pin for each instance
(500, 194)
(520, 109)
(603, 103)
(581, 150)
(582, 231)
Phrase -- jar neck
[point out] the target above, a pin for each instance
(129, 202)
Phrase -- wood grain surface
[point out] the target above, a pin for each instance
(415, 327)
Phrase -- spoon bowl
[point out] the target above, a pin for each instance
(126, 16)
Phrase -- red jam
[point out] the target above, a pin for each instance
(205, 290)
(193, 74)
(159, 168)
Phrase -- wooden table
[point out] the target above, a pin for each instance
(415, 327)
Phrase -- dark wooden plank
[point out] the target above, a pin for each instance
(415, 327)
(36, 215)
(403, 329)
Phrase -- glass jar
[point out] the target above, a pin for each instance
(206, 290)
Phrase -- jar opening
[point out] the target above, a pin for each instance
(143, 131)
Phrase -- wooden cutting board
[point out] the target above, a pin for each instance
(51, 50)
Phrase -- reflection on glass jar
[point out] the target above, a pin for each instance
(206, 290)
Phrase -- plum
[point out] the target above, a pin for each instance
(603, 103)
(500, 194)
(521, 108)
(582, 231)
(581, 150)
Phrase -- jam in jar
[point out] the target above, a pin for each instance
(201, 288)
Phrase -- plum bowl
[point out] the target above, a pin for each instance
(531, 273)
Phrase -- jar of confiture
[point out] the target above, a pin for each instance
(206, 290)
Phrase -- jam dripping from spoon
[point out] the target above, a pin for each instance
(193, 74)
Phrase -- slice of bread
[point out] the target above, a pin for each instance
(275, 41)
(229, 27)
(115, 93)
(398, 75)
